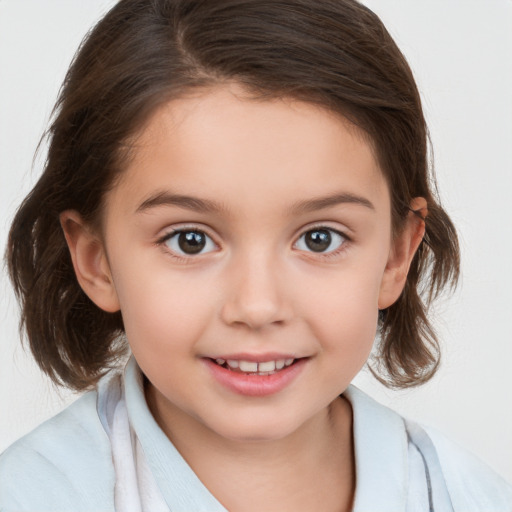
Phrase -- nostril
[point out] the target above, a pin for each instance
(254, 314)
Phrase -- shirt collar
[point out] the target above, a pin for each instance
(180, 487)
(380, 443)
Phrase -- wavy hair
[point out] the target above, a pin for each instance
(333, 53)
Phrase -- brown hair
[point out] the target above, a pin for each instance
(333, 53)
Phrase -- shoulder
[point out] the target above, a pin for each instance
(428, 462)
(64, 464)
(473, 486)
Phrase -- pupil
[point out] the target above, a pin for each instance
(318, 240)
(191, 242)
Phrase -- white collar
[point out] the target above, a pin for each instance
(380, 443)
(180, 487)
(381, 453)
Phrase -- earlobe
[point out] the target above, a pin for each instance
(403, 249)
(90, 261)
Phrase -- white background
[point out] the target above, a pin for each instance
(461, 53)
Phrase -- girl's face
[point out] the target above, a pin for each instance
(248, 245)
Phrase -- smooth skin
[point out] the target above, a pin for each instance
(257, 182)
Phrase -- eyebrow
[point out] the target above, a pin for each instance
(182, 201)
(320, 203)
(208, 206)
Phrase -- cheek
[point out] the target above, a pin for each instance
(343, 312)
(163, 324)
(161, 309)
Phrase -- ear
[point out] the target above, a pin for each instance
(403, 248)
(89, 261)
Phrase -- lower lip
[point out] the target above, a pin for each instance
(256, 385)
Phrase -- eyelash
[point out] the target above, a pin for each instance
(181, 258)
(162, 242)
(330, 254)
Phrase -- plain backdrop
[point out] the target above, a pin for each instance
(461, 54)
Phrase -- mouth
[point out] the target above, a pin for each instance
(267, 375)
(246, 367)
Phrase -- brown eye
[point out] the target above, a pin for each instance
(320, 240)
(190, 242)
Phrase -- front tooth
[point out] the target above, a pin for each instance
(288, 362)
(248, 366)
(232, 363)
(267, 366)
(279, 364)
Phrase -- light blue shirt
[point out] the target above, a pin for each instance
(69, 462)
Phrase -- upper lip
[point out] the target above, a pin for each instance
(256, 358)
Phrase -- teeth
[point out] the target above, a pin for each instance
(279, 364)
(263, 368)
(248, 366)
(267, 366)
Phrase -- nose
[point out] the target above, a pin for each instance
(256, 293)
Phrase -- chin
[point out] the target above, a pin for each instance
(253, 430)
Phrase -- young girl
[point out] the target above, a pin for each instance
(237, 199)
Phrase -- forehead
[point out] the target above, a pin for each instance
(220, 143)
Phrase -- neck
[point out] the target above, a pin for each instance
(280, 474)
